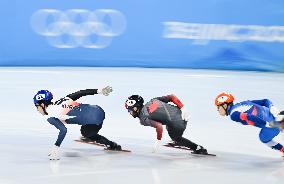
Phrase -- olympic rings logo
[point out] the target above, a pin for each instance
(78, 27)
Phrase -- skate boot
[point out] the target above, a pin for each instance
(114, 146)
(85, 139)
(173, 144)
(200, 150)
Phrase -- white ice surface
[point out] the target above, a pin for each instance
(241, 158)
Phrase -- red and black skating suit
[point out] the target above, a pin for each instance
(158, 112)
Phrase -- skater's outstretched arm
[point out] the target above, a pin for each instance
(267, 103)
(61, 127)
(75, 96)
(171, 98)
(55, 153)
(264, 102)
(155, 124)
(159, 129)
(177, 102)
(81, 93)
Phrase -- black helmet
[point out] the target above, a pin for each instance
(134, 104)
(280, 117)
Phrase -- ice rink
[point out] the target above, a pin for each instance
(26, 137)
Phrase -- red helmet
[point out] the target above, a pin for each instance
(223, 98)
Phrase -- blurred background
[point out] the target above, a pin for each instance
(205, 34)
(94, 41)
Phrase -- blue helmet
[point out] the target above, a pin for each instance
(43, 96)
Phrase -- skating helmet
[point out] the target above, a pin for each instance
(43, 96)
(133, 104)
(224, 98)
(280, 117)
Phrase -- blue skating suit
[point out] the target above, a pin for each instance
(257, 113)
(67, 111)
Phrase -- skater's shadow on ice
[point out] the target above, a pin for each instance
(83, 152)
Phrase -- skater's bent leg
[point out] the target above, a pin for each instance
(176, 135)
(90, 129)
(102, 140)
(181, 141)
(266, 136)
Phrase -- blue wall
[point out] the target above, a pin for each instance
(216, 34)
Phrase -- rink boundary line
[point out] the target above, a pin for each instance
(31, 71)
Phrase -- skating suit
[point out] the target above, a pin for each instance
(257, 113)
(67, 111)
(158, 111)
